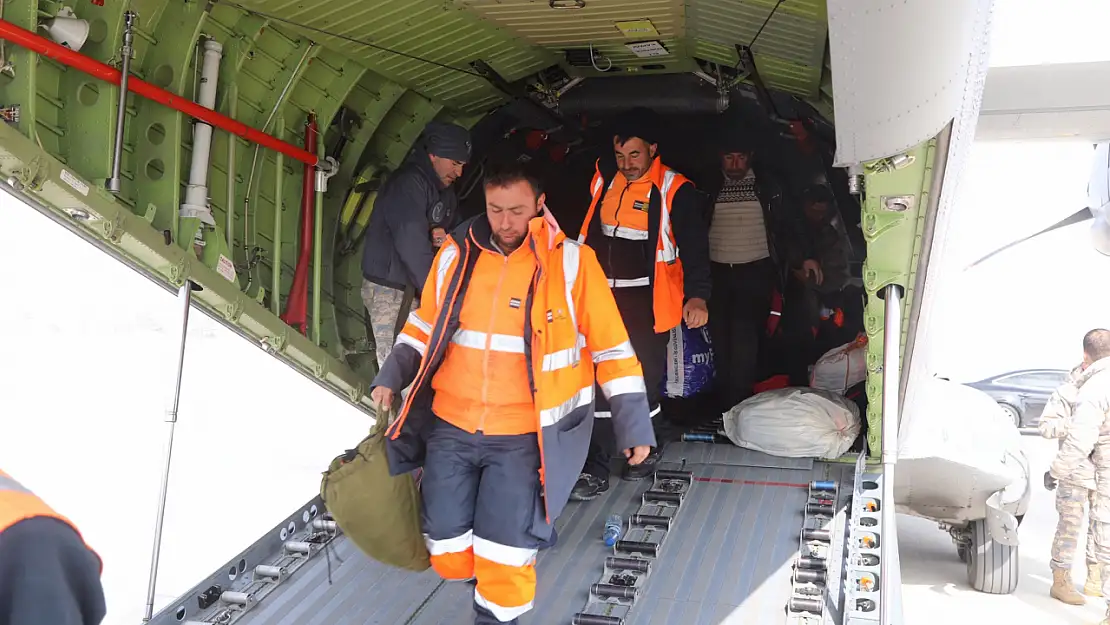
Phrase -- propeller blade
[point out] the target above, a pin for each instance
(1100, 233)
(1079, 216)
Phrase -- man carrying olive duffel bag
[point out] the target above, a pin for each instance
(501, 357)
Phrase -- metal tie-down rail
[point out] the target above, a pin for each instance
(867, 547)
(817, 543)
(626, 572)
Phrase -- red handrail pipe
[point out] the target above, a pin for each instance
(107, 73)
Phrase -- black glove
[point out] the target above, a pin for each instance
(1049, 481)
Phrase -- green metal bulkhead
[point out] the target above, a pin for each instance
(896, 195)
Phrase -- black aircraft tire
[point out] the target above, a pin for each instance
(991, 566)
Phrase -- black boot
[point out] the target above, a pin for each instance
(588, 487)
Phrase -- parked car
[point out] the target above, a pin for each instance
(1022, 394)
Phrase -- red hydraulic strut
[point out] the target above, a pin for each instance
(107, 73)
(296, 307)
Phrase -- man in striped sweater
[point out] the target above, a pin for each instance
(752, 246)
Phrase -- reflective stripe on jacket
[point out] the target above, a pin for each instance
(571, 324)
(667, 278)
(17, 504)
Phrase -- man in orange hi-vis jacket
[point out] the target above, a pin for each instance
(47, 572)
(644, 220)
(501, 355)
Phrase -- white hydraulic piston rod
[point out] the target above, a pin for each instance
(185, 296)
(196, 194)
(892, 349)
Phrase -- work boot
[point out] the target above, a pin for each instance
(1062, 589)
(1093, 587)
(588, 487)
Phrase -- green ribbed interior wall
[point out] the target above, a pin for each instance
(271, 78)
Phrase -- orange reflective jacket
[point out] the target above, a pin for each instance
(479, 385)
(656, 216)
(19, 504)
(570, 324)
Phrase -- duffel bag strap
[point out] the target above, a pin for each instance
(387, 413)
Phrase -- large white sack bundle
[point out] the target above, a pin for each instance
(795, 422)
(841, 368)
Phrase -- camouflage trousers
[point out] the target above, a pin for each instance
(1071, 499)
(384, 305)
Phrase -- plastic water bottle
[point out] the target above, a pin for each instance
(613, 529)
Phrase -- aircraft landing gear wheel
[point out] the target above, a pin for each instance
(1013, 413)
(991, 566)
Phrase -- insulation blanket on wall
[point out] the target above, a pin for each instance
(689, 368)
(794, 422)
(842, 368)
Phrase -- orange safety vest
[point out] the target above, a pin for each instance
(667, 291)
(571, 324)
(17, 504)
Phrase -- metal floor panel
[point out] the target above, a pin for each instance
(727, 454)
(727, 559)
(362, 591)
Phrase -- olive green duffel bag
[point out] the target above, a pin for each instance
(380, 513)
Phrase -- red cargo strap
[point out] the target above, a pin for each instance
(296, 307)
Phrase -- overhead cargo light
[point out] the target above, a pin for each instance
(647, 49)
(67, 29)
(637, 29)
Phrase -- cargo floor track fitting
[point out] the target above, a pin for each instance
(729, 557)
(626, 572)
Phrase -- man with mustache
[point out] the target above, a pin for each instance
(645, 221)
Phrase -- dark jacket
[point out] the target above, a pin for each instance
(691, 233)
(397, 250)
(785, 241)
(831, 248)
(47, 575)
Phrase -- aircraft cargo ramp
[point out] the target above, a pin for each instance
(728, 556)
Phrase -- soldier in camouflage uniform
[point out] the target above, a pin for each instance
(412, 214)
(1088, 435)
(383, 303)
(1073, 494)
